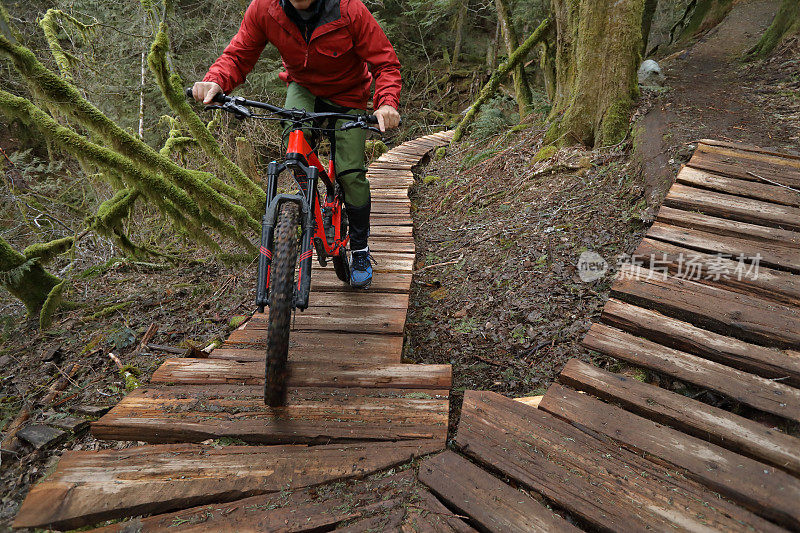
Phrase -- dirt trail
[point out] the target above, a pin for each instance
(714, 94)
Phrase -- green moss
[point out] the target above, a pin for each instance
(440, 153)
(427, 180)
(44, 252)
(25, 278)
(140, 157)
(50, 27)
(615, 123)
(786, 23)
(545, 153)
(172, 88)
(108, 310)
(236, 321)
(50, 305)
(375, 148)
(706, 15)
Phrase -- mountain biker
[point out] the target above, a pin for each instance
(331, 51)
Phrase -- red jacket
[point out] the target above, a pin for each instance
(343, 54)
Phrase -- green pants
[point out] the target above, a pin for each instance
(349, 153)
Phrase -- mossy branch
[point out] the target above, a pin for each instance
(52, 88)
(497, 77)
(25, 278)
(50, 28)
(249, 192)
(44, 252)
(153, 185)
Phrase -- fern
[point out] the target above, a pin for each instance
(14, 276)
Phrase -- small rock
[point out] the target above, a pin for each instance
(40, 436)
(90, 410)
(69, 423)
(650, 74)
(4, 360)
(53, 354)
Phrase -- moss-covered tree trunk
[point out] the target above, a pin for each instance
(598, 50)
(700, 15)
(785, 24)
(491, 50)
(521, 87)
(462, 17)
(25, 278)
(647, 22)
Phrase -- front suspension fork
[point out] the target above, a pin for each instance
(306, 203)
(267, 235)
(307, 221)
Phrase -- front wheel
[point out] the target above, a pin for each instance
(281, 295)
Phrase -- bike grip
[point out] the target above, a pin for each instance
(372, 119)
(219, 97)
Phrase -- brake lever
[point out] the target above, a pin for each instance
(239, 111)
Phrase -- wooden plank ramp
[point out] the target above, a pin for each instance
(353, 408)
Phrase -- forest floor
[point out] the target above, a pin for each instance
(498, 237)
(505, 306)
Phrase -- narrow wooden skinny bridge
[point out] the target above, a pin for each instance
(703, 445)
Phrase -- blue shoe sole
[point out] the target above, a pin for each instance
(362, 285)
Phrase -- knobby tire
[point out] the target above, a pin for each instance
(281, 294)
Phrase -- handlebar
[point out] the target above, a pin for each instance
(240, 108)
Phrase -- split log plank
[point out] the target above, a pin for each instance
(747, 317)
(734, 274)
(738, 187)
(321, 346)
(733, 207)
(318, 374)
(730, 228)
(768, 253)
(321, 508)
(94, 486)
(755, 391)
(391, 231)
(387, 220)
(747, 148)
(608, 487)
(765, 490)
(390, 244)
(193, 413)
(360, 320)
(489, 502)
(351, 299)
(737, 164)
(716, 425)
(393, 282)
(773, 363)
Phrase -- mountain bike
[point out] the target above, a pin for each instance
(295, 221)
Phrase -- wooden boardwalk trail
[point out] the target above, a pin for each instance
(704, 442)
(353, 408)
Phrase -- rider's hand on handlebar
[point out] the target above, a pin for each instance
(205, 91)
(388, 117)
